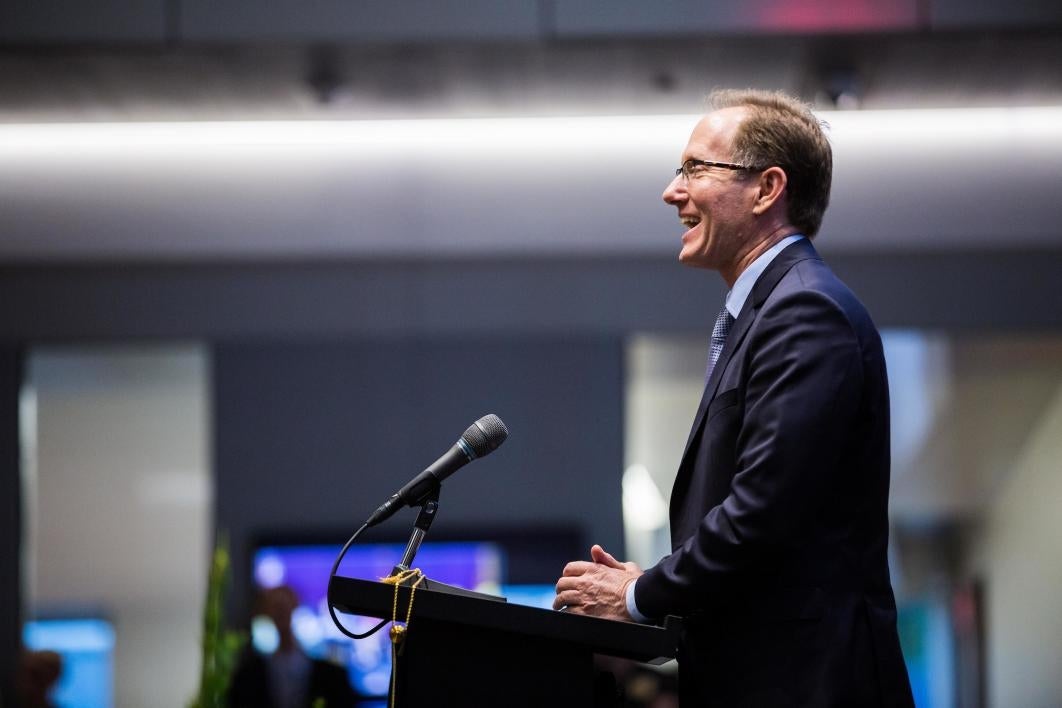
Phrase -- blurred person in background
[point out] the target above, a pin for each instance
(38, 673)
(287, 677)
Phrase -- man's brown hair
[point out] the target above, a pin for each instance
(782, 131)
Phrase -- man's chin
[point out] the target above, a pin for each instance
(692, 260)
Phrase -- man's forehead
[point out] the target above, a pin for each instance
(716, 129)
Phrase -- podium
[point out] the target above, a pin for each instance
(470, 652)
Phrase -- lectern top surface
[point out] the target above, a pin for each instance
(640, 642)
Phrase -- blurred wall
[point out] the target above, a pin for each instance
(311, 436)
(118, 505)
(1017, 554)
(663, 387)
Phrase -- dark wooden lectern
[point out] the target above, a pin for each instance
(473, 652)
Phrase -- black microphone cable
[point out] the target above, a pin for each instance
(331, 576)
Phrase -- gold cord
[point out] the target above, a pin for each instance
(399, 631)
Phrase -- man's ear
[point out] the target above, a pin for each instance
(771, 185)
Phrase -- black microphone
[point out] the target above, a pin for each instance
(482, 438)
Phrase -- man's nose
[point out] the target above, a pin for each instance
(675, 192)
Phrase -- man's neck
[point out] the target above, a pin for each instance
(756, 249)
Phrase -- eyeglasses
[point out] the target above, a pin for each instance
(694, 168)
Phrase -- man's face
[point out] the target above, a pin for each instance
(715, 205)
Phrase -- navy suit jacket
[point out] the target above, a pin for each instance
(779, 518)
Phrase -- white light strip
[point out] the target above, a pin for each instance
(515, 135)
(521, 135)
(952, 125)
(904, 179)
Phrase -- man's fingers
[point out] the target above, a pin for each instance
(569, 593)
(600, 555)
(567, 583)
(568, 599)
(577, 567)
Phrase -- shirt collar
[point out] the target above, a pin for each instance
(735, 299)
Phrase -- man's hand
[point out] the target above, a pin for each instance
(597, 588)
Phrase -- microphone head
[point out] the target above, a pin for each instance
(485, 435)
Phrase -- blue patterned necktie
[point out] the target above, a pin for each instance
(719, 332)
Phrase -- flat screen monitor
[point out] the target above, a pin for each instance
(479, 566)
(86, 649)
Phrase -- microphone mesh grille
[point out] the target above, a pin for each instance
(485, 435)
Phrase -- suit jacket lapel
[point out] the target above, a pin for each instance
(801, 250)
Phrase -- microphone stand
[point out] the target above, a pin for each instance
(420, 530)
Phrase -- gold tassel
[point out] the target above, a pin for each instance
(399, 631)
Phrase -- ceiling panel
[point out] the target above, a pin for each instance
(366, 20)
(982, 14)
(676, 17)
(45, 21)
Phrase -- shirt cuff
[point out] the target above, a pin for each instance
(632, 606)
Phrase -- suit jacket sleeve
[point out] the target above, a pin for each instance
(799, 393)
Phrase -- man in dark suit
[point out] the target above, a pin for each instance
(779, 511)
(286, 677)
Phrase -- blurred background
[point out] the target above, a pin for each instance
(260, 263)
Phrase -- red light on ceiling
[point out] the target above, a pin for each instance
(824, 16)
